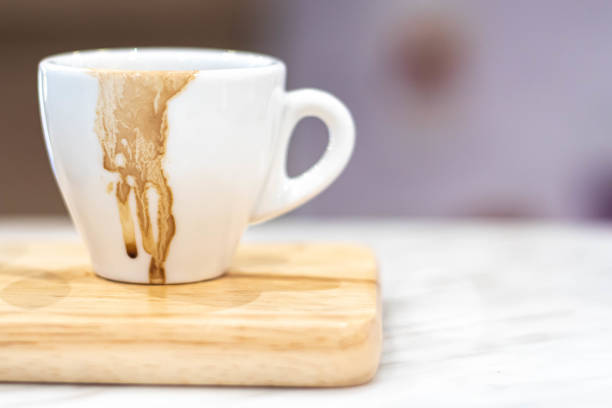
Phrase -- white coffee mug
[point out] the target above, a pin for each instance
(165, 155)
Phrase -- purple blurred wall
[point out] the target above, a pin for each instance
(479, 108)
(523, 131)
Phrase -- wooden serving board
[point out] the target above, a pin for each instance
(283, 315)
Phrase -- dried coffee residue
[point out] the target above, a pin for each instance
(132, 127)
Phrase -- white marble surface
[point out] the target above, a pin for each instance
(476, 314)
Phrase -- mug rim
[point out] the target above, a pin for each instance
(243, 60)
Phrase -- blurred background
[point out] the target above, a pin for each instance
(464, 108)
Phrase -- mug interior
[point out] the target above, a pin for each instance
(161, 59)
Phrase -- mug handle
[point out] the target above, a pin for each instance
(282, 193)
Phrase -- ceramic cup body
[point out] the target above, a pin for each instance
(165, 156)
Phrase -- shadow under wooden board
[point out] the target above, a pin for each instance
(284, 315)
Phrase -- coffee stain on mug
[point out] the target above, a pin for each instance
(132, 127)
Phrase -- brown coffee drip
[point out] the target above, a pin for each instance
(132, 127)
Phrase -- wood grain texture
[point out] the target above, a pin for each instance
(284, 315)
